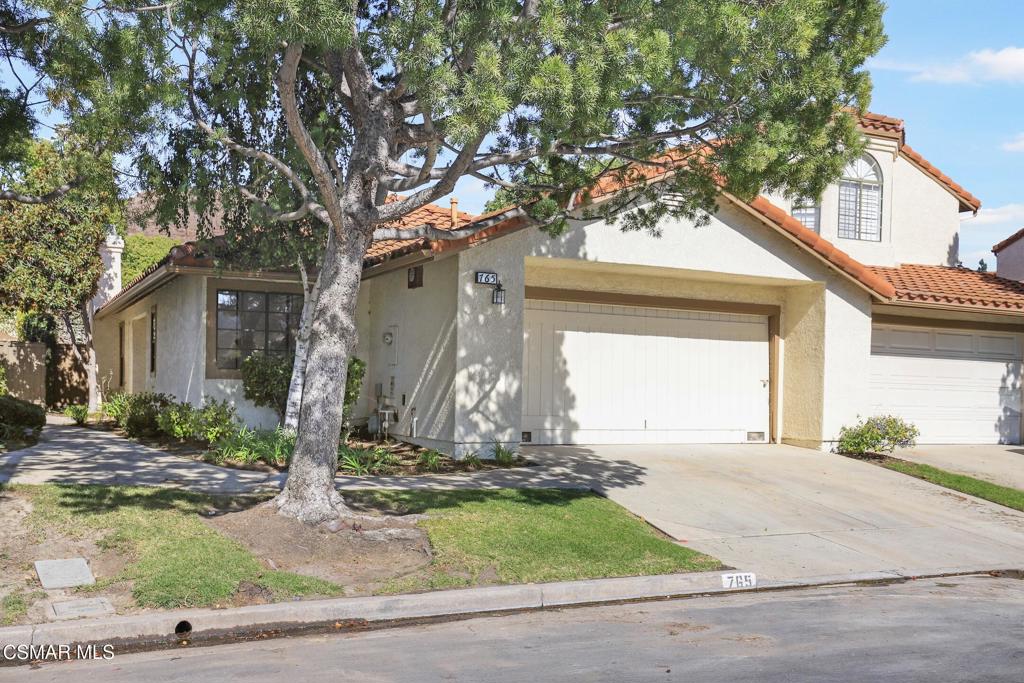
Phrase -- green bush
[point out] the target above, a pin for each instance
(79, 413)
(273, 447)
(265, 381)
(472, 461)
(140, 415)
(3, 380)
(353, 384)
(216, 420)
(20, 415)
(879, 434)
(179, 421)
(505, 457)
(116, 406)
(361, 462)
(141, 252)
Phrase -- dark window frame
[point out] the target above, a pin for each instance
(152, 340)
(238, 350)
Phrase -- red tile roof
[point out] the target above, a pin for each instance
(879, 124)
(428, 214)
(1008, 241)
(959, 287)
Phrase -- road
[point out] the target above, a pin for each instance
(955, 629)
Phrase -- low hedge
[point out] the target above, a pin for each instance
(15, 412)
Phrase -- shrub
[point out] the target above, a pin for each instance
(472, 461)
(215, 421)
(3, 380)
(79, 413)
(265, 381)
(116, 406)
(20, 415)
(179, 421)
(505, 457)
(353, 384)
(140, 414)
(880, 434)
(365, 461)
(273, 447)
(429, 460)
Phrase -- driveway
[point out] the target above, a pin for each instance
(787, 512)
(1002, 465)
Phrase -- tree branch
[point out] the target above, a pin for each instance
(56, 193)
(432, 232)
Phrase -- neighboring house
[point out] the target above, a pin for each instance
(779, 321)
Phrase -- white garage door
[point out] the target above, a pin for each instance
(599, 374)
(957, 386)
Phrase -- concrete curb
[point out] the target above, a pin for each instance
(171, 628)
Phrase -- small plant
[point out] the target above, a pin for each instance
(876, 435)
(272, 447)
(79, 413)
(179, 421)
(353, 384)
(215, 421)
(361, 462)
(140, 415)
(430, 460)
(3, 380)
(504, 457)
(472, 461)
(116, 406)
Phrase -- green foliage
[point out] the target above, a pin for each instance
(430, 460)
(139, 417)
(179, 421)
(141, 252)
(880, 434)
(21, 415)
(361, 462)
(472, 461)
(215, 421)
(249, 446)
(49, 253)
(34, 326)
(265, 381)
(3, 380)
(79, 413)
(504, 457)
(116, 405)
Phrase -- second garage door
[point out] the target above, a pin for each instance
(599, 374)
(956, 386)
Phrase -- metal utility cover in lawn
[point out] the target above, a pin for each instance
(88, 607)
(64, 573)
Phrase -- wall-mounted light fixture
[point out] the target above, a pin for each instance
(498, 295)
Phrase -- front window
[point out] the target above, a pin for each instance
(250, 322)
(860, 201)
(807, 212)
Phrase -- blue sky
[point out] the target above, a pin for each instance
(954, 71)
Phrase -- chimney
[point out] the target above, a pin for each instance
(1010, 257)
(110, 281)
(455, 213)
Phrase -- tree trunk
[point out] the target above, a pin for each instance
(309, 301)
(89, 361)
(309, 493)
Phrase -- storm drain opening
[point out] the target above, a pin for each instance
(183, 629)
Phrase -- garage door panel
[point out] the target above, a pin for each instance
(631, 375)
(956, 387)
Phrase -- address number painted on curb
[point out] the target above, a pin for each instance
(739, 580)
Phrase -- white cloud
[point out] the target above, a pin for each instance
(1005, 65)
(1015, 145)
(978, 234)
(1007, 214)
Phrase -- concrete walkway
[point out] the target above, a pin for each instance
(67, 454)
(788, 512)
(1003, 465)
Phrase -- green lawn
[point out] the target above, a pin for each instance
(175, 559)
(1003, 495)
(522, 536)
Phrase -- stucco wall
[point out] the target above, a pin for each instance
(421, 359)
(848, 354)
(1010, 261)
(803, 365)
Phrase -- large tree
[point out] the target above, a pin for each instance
(354, 114)
(49, 252)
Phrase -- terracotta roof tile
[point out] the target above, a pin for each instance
(879, 123)
(949, 286)
(1008, 241)
(433, 214)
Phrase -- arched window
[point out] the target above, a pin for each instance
(860, 201)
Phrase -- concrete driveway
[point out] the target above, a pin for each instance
(787, 512)
(1002, 465)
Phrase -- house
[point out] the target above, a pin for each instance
(780, 321)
